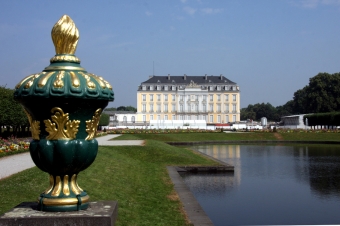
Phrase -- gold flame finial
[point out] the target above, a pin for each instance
(65, 36)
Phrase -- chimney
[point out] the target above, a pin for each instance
(185, 77)
(168, 76)
(206, 77)
(221, 76)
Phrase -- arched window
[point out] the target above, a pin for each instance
(133, 119)
(124, 119)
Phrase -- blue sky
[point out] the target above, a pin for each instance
(269, 47)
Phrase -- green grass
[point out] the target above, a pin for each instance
(135, 176)
(182, 137)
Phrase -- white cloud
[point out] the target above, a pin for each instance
(315, 3)
(211, 11)
(189, 10)
(148, 13)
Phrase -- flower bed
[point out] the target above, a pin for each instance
(13, 144)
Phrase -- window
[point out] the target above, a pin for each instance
(158, 117)
(234, 107)
(173, 97)
(124, 119)
(219, 108)
(144, 97)
(192, 97)
(211, 107)
(151, 97)
(173, 107)
(218, 97)
(144, 87)
(204, 118)
(211, 97)
(234, 118)
(204, 97)
(151, 107)
(204, 108)
(181, 117)
(196, 97)
(158, 87)
(218, 118)
(165, 97)
(166, 88)
(188, 117)
(143, 107)
(173, 117)
(151, 117)
(226, 107)
(133, 119)
(144, 118)
(188, 109)
(158, 97)
(227, 97)
(165, 108)
(211, 118)
(151, 87)
(181, 108)
(181, 98)
(227, 118)
(234, 97)
(165, 117)
(196, 107)
(158, 108)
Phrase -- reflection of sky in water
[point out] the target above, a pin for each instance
(271, 185)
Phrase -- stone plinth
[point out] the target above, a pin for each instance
(98, 213)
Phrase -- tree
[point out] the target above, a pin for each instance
(104, 120)
(11, 112)
(322, 94)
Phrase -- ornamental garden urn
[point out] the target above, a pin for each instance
(63, 104)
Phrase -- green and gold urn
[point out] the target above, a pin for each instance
(63, 104)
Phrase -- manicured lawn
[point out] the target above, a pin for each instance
(135, 176)
(292, 136)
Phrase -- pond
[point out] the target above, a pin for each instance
(288, 184)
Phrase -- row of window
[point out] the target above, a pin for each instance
(193, 117)
(190, 108)
(189, 97)
(166, 88)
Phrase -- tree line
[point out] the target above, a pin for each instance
(321, 95)
(13, 119)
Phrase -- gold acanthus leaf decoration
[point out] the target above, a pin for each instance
(35, 126)
(62, 128)
(91, 125)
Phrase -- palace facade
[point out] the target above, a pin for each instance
(215, 99)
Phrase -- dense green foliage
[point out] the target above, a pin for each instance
(322, 94)
(104, 120)
(11, 113)
(323, 119)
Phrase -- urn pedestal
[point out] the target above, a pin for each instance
(63, 104)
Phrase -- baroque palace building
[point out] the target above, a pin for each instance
(214, 99)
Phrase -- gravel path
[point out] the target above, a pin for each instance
(16, 163)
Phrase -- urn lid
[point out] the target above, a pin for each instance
(64, 77)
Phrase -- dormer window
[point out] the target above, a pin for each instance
(166, 88)
(143, 87)
(158, 87)
(173, 87)
(218, 88)
(151, 87)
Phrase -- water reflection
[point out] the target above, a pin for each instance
(294, 184)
